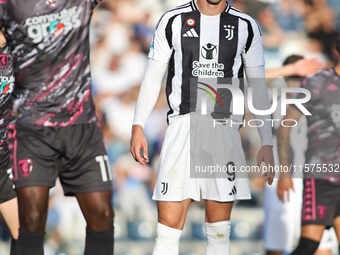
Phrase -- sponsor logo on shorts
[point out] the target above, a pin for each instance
(164, 188)
(25, 167)
(3, 60)
(321, 211)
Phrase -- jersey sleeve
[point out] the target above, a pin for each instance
(253, 52)
(161, 46)
(312, 84)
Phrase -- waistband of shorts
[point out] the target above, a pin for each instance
(187, 116)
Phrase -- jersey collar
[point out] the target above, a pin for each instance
(194, 6)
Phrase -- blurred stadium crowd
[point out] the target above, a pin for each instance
(121, 34)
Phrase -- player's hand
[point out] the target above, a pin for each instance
(305, 67)
(266, 155)
(139, 142)
(283, 186)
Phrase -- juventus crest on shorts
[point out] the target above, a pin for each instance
(199, 46)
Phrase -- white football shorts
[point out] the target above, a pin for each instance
(186, 148)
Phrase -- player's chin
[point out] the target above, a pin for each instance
(214, 2)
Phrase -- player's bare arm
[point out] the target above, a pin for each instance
(303, 68)
(265, 155)
(285, 182)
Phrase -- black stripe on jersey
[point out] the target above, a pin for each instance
(193, 5)
(183, 6)
(259, 27)
(190, 53)
(168, 31)
(234, 9)
(250, 34)
(228, 7)
(227, 52)
(171, 75)
(171, 71)
(241, 80)
(228, 48)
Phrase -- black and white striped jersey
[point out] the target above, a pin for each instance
(198, 46)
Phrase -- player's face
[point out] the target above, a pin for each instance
(214, 2)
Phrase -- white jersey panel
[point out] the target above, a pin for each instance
(254, 55)
(175, 97)
(209, 42)
(160, 48)
(243, 35)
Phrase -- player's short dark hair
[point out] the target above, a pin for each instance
(291, 60)
(337, 45)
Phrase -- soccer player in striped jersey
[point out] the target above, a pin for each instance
(203, 39)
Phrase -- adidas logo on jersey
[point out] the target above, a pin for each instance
(191, 33)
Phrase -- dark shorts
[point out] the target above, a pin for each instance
(321, 202)
(76, 154)
(6, 184)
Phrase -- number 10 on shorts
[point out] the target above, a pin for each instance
(104, 168)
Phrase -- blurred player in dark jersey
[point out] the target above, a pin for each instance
(282, 221)
(8, 200)
(321, 200)
(55, 132)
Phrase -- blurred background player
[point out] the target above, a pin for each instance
(185, 37)
(56, 131)
(282, 221)
(8, 200)
(321, 202)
